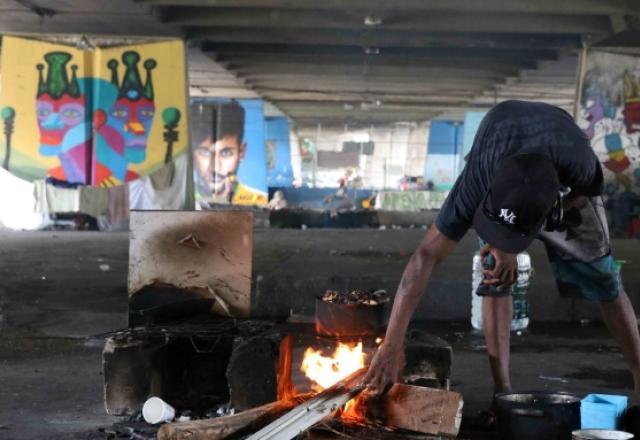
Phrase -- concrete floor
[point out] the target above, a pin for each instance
(54, 298)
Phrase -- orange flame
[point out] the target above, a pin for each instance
(325, 371)
(355, 410)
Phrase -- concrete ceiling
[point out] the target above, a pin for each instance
(356, 61)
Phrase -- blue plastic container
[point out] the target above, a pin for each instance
(602, 411)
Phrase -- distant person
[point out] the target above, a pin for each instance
(218, 156)
(340, 196)
(343, 184)
(278, 201)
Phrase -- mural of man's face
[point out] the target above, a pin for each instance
(57, 116)
(132, 119)
(217, 163)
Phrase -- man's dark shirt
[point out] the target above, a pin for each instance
(519, 127)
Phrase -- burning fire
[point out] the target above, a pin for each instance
(325, 371)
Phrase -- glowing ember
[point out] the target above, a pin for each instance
(354, 410)
(325, 371)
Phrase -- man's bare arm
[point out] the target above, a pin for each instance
(386, 364)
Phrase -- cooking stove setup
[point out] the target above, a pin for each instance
(195, 341)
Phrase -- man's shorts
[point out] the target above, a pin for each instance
(580, 256)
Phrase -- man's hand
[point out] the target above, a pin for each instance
(387, 363)
(385, 369)
(505, 271)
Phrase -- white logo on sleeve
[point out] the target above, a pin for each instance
(508, 216)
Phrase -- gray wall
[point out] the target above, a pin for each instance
(291, 267)
(52, 284)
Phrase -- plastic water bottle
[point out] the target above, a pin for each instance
(476, 301)
(519, 292)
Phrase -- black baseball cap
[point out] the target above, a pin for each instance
(523, 191)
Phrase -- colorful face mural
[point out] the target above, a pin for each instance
(217, 164)
(60, 110)
(229, 165)
(111, 165)
(631, 110)
(132, 113)
(81, 119)
(610, 116)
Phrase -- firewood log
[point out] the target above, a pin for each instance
(425, 410)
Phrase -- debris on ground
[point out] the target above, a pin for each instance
(554, 379)
(357, 296)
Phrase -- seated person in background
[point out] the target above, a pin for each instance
(277, 201)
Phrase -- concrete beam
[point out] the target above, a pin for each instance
(476, 53)
(382, 38)
(28, 23)
(112, 7)
(385, 98)
(389, 89)
(571, 7)
(257, 59)
(384, 94)
(283, 68)
(432, 21)
(321, 82)
(369, 90)
(224, 92)
(363, 121)
(365, 118)
(310, 106)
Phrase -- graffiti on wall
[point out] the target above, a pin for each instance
(229, 165)
(102, 118)
(610, 117)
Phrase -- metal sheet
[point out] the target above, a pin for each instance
(205, 252)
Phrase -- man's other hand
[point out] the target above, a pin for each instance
(505, 271)
(385, 369)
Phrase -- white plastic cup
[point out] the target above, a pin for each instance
(155, 410)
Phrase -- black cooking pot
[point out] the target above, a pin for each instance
(335, 319)
(537, 415)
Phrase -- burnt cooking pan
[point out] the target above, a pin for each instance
(537, 415)
(336, 319)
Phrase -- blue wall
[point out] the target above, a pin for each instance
(471, 123)
(278, 152)
(444, 150)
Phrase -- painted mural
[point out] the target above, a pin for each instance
(102, 117)
(229, 160)
(610, 117)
